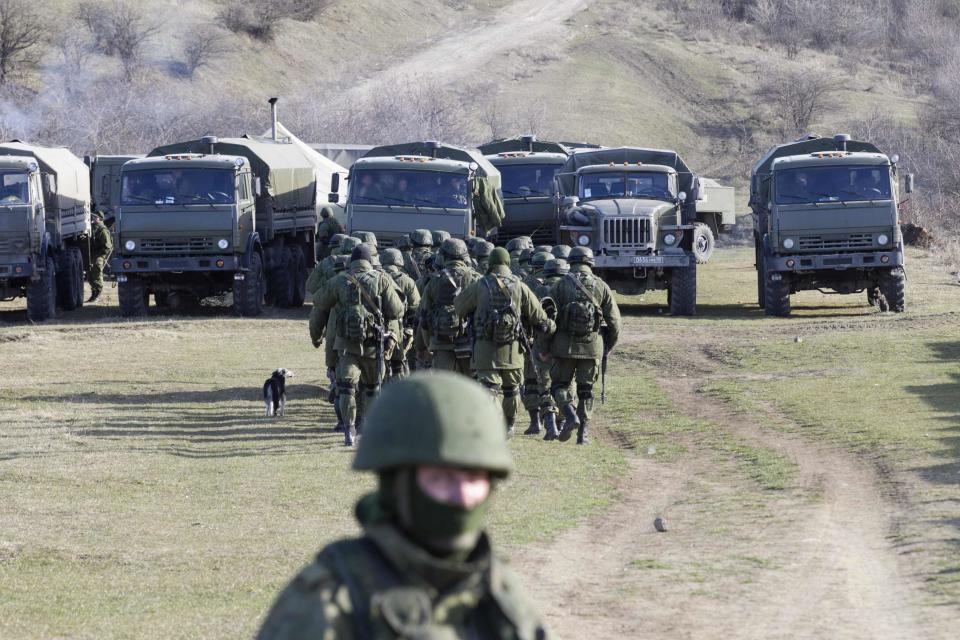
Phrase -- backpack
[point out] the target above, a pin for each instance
(499, 320)
(445, 323)
(357, 322)
(580, 317)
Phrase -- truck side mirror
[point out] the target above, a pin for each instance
(695, 190)
(333, 197)
(50, 183)
(257, 187)
(908, 183)
(335, 184)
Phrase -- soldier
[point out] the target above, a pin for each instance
(422, 241)
(364, 301)
(542, 248)
(519, 244)
(583, 301)
(101, 244)
(536, 386)
(438, 237)
(329, 227)
(423, 567)
(323, 269)
(484, 249)
(393, 265)
(561, 251)
(325, 325)
(523, 262)
(501, 307)
(366, 236)
(448, 338)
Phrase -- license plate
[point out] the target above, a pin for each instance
(647, 260)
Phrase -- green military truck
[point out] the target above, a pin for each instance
(395, 189)
(206, 217)
(825, 214)
(44, 227)
(527, 169)
(105, 184)
(648, 219)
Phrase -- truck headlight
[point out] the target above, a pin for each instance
(583, 240)
(129, 245)
(669, 239)
(882, 239)
(788, 243)
(222, 243)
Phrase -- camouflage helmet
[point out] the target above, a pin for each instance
(581, 255)
(326, 212)
(455, 249)
(391, 258)
(421, 238)
(437, 418)
(546, 248)
(525, 255)
(483, 249)
(336, 239)
(439, 236)
(540, 259)
(366, 236)
(340, 263)
(403, 242)
(96, 215)
(472, 243)
(556, 267)
(348, 244)
(561, 251)
(520, 242)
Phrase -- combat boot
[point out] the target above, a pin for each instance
(550, 422)
(349, 435)
(582, 433)
(94, 296)
(534, 428)
(570, 421)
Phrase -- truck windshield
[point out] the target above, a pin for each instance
(178, 186)
(14, 187)
(807, 185)
(625, 185)
(527, 179)
(408, 187)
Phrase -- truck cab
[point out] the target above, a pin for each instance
(528, 189)
(22, 221)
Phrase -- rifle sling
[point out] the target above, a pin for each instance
(375, 307)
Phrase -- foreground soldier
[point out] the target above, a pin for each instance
(100, 247)
(583, 302)
(423, 567)
(449, 342)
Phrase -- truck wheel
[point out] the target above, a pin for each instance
(893, 288)
(703, 242)
(161, 298)
(300, 275)
(67, 281)
(134, 297)
(248, 293)
(683, 291)
(776, 297)
(79, 274)
(282, 281)
(42, 294)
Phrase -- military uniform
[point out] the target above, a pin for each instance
(392, 264)
(101, 244)
(419, 570)
(323, 270)
(584, 301)
(449, 341)
(323, 329)
(356, 296)
(329, 226)
(536, 372)
(500, 306)
(422, 248)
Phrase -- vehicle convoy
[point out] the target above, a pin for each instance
(44, 227)
(648, 219)
(826, 217)
(105, 184)
(205, 217)
(431, 185)
(527, 168)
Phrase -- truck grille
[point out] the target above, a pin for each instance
(180, 245)
(626, 233)
(6, 245)
(856, 241)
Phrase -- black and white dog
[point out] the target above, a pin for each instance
(275, 392)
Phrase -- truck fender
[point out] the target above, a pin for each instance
(253, 245)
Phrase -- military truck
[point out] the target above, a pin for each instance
(205, 217)
(395, 189)
(105, 184)
(649, 220)
(527, 168)
(825, 217)
(44, 227)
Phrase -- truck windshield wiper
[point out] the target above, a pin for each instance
(141, 199)
(430, 203)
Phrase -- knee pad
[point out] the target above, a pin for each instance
(584, 391)
(557, 386)
(347, 388)
(511, 392)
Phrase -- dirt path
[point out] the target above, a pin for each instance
(829, 567)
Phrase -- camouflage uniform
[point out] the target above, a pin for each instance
(101, 244)
(448, 338)
(577, 347)
(329, 226)
(324, 268)
(357, 292)
(392, 264)
(398, 580)
(500, 306)
(536, 373)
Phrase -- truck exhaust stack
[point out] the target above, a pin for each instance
(273, 117)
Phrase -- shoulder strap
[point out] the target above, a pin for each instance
(579, 285)
(374, 306)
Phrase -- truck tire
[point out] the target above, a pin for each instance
(248, 293)
(42, 294)
(703, 242)
(134, 297)
(893, 288)
(300, 275)
(282, 281)
(161, 299)
(776, 297)
(67, 280)
(682, 295)
(80, 274)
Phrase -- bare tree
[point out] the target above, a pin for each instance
(119, 29)
(797, 94)
(261, 19)
(21, 34)
(202, 46)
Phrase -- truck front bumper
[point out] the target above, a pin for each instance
(15, 268)
(836, 261)
(181, 264)
(652, 261)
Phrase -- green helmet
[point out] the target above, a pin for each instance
(421, 238)
(438, 237)
(525, 255)
(366, 236)
(336, 239)
(483, 249)
(561, 251)
(520, 242)
(348, 244)
(540, 259)
(581, 255)
(437, 418)
(326, 212)
(454, 249)
(472, 243)
(556, 267)
(391, 258)
(403, 242)
(542, 248)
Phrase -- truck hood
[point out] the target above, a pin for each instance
(175, 231)
(392, 222)
(834, 217)
(628, 207)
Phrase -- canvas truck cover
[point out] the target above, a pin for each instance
(342, 154)
(288, 175)
(631, 155)
(519, 144)
(804, 146)
(72, 174)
